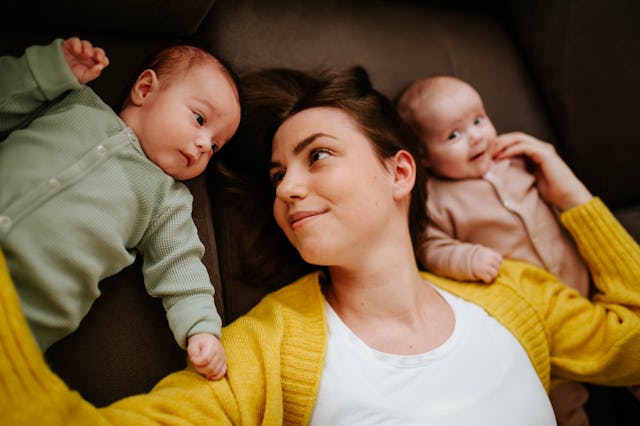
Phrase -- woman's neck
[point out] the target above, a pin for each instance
(386, 289)
(381, 277)
(391, 309)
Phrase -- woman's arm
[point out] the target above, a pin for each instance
(31, 392)
(599, 342)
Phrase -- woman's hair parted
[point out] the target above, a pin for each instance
(274, 95)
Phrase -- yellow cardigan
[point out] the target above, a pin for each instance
(275, 353)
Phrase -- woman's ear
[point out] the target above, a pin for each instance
(146, 83)
(404, 173)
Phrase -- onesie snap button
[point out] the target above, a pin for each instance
(101, 149)
(131, 135)
(5, 222)
(54, 184)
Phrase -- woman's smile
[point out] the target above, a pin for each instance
(300, 218)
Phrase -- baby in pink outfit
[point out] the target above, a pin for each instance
(483, 208)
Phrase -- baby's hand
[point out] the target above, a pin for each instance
(485, 264)
(555, 180)
(85, 61)
(207, 355)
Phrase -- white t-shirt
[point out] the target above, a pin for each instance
(480, 376)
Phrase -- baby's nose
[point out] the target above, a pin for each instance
(203, 144)
(475, 135)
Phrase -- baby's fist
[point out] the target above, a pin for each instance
(485, 264)
(207, 355)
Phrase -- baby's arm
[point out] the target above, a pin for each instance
(441, 253)
(29, 82)
(85, 61)
(173, 270)
(556, 181)
(207, 355)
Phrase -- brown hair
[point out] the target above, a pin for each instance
(283, 93)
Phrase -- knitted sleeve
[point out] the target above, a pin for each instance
(27, 82)
(31, 392)
(600, 342)
(173, 269)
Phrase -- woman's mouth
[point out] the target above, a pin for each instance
(298, 219)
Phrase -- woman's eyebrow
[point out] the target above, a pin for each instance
(307, 141)
(300, 146)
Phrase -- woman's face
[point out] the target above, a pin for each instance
(333, 194)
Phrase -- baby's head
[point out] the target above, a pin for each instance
(183, 107)
(448, 116)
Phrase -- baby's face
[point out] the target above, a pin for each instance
(187, 120)
(457, 133)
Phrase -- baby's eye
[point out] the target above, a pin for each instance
(199, 118)
(318, 154)
(478, 120)
(453, 135)
(214, 147)
(276, 178)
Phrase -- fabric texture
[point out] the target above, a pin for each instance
(514, 220)
(275, 353)
(464, 381)
(86, 203)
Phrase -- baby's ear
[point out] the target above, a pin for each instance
(146, 83)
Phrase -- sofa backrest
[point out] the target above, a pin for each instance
(396, 42)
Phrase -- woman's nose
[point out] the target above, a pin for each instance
(291, 187)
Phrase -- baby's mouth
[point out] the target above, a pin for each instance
(478, 156)
(190, 159)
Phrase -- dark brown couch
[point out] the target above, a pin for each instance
(566, 72)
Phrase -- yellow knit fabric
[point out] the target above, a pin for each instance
(275, 353)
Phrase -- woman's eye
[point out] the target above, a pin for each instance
(276, 178)
(478, 120)
(453, 135)
(199, 118)
(318, 154)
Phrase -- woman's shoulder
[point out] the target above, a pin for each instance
(519, 285)
(302, 297)
(299, 294)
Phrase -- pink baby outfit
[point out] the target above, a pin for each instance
(503, 211)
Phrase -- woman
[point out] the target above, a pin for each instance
(372, 339)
